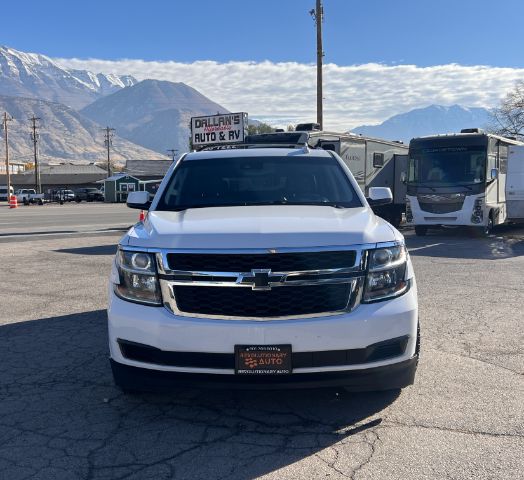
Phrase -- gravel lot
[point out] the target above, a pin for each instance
(62, 418)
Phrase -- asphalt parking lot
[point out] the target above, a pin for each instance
(62, 418)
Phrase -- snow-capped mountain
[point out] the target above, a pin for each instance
(427, 121)
(37, 76)
(64, 134)
(153, 113)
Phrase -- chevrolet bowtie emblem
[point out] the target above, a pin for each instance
(260, 279)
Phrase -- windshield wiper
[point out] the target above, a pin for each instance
(285, 202)
(418, 184)
(180, 208)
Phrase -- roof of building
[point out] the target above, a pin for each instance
(147, 168)
(58, 179)
(118, 176)
(69, 169)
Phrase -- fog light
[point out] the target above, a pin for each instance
(409, 212)
(477, 215)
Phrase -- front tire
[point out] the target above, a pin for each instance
(486, 230)
(421, 231)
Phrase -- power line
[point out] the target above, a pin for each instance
(318, 16)
(35, 136)
(173, 152)
(7, 118)
(108, 141)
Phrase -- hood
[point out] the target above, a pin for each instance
(263, 227)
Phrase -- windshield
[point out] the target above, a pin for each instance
(259, 181)
(446, 166)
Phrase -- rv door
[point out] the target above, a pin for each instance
(401, 171)
(515, 183)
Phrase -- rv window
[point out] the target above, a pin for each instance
(492, 162)
(329, 146)
(503, 158)
(378, 160)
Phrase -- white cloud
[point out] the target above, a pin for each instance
(282, 93)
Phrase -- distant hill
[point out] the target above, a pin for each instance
(426, 121)
(33, 75)
(65, 134)
(153, 113)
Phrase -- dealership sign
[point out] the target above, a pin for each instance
(218, 129)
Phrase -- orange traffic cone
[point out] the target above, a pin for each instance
(142, 216)
(13, 202)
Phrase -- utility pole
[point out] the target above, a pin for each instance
(173, 152)
(34, 137)
(318, 17)
(7, 118)
(108, 136)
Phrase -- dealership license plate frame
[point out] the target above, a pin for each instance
(260, 360)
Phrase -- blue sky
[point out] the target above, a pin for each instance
(419, 32)
(383, 57)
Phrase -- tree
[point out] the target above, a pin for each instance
(508, 118)
(259, 127)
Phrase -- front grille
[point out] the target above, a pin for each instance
(325, 358)
(278, 302)
(440, 207)
(277, 262)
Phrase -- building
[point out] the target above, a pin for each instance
(118, 186)
(14, 167)
(53, 177)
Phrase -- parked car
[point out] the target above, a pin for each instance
(29, 195)
(262, 267)
(64, 195)
(3, 192)
(88, 195)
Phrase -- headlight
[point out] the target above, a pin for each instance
(137, 278)
(386, 277)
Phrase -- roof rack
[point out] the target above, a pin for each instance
(235, 146)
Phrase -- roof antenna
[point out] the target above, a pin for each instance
(305, 148)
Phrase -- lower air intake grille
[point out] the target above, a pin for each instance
(278, 302)
(440, 207)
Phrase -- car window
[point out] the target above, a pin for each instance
(273, 180)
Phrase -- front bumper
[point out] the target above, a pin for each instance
(388, 377)
(367, 325)
(459, 218)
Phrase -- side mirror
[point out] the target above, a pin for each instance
(494, 173)
(139, 200)
(379, 196)
(403, 177)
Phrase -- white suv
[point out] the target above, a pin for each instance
(262, 268)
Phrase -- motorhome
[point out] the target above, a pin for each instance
(471, 178)
(373, 162)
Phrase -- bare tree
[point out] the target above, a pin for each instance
(508, 118)
(259, 127)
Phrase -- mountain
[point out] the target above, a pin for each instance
(33, 75)
(426, 121)
(64, 134)
(153, 113)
